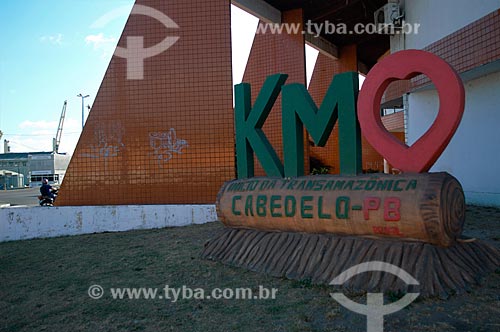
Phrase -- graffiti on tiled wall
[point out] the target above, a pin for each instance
(109, 141)
(165, 145)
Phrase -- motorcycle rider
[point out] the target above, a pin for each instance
(46, 189)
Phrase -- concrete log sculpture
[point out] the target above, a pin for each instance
(426, 207)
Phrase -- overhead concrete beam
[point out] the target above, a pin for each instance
(322, 45)
(264, 11)
(267, 13)
(363, 68)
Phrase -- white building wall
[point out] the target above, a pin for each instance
(439, 18)
(472, 156)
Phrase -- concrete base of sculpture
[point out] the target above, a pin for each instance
(322, 257)
(29, 222)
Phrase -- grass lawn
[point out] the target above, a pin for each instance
(44, 287)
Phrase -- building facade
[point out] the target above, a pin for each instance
(29, 168)
(466, 34)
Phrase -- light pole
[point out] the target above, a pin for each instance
(18, 174)
(83, 97)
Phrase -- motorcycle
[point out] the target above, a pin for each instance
(47, 200)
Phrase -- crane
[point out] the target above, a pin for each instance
(57, 140)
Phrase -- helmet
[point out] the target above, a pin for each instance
(45, 181)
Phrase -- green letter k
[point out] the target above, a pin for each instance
(248, 126)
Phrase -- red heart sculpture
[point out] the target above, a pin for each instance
(400, 66)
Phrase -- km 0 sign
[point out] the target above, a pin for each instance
(314, 227)
(354, 114)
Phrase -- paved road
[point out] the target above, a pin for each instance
(20, 196)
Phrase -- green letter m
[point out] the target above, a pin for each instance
(299, 109)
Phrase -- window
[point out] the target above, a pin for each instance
(53, 178)
(388, 111)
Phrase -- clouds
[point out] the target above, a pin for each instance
(52, 39)
(101, 43)
(99, 40)
(38, 135)
(38, 124)
(39, 128)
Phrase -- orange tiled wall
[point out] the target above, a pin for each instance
(167, 138)
(372, 160)
(272, 54)
(394, 122)
(395, 90)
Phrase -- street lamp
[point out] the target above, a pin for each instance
(83, 97)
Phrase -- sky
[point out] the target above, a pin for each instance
(50, 53)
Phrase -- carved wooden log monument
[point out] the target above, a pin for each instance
(317, 227)
(423, 207)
